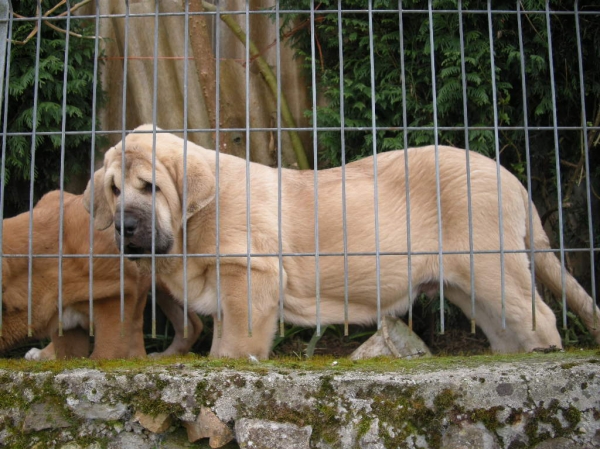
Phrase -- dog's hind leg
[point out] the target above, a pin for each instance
(517, 333)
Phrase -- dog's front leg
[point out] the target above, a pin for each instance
(237, 339)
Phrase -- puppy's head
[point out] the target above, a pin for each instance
(141, 188)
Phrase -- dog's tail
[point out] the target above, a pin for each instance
(548, 272)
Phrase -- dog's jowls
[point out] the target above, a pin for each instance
(131, 204)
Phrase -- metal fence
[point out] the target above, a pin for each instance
(514, 105)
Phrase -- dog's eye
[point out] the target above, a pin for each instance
(115, 190)
(148, 188)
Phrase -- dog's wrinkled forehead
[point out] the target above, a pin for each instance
(138, 166)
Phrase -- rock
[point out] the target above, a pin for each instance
(261, 434)
(394, 339)
(155, 424)
(208, 425)
(371, 438)
(105, 412)
(44, 416)
(559, 443)
(130, 441)
(469, 436)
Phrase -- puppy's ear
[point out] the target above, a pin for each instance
(103, 216)
(200, 185)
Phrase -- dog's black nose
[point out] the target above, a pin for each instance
(129, 226)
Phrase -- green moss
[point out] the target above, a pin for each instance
(549, 415)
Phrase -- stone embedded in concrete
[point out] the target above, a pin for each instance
(42, 416)
(208, 425)
(102, 411)
(469, 436)
(154, 423)
(394, 339)
(130, 441)
(262, 434)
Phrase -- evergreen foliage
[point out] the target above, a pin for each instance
(19, 117)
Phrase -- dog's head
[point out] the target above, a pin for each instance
(145, 173)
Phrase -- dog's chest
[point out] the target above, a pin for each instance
(201, 290)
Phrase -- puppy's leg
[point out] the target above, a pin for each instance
(74, 343)
(46, 353)
(236, 341)
(174, 313)
(114, 339)
(517, 334)
(135, 316)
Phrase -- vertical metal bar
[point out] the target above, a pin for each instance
(4, 9)
(557, 160)
(248, 205)
(154, 115)
(219, 317)
(4, 13)
(92, 167)
(279, 174)
(498, 166)
(343, 150)
(588, 187)
(315, 165)
(185, 150)
(123, 130)
(528, 158)
(375, 183)
(32, 172)
(61, 208)
(468, 162)
(437, 169)
(406, 167)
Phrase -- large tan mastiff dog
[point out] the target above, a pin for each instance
(113, 339)
(130, 205)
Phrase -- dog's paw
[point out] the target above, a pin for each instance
(33, 354)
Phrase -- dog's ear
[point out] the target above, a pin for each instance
(200, 186)
(103, 216)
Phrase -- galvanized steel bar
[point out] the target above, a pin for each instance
(561, 244)
(219, 317)
(5, 46)
(437, 169)
(184, 195)
(532, 250)
(61, 201)
(32, 172)
(153, 213)
(586, 149)
(406, 168)
(279, 180)
(343, 156)
(463, 77)
(248, 205)
(92, 168)
(498, 166)
(315, 165)
(375, 183)
(123, 134)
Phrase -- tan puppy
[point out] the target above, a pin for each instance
(112, 339)
(300, 282)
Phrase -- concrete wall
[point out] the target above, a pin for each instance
(541, 401)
